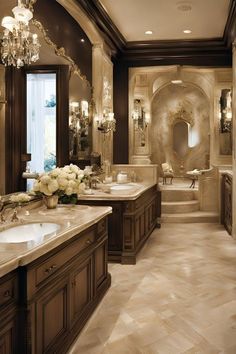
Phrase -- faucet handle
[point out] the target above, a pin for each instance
(14, 216)
(2, 218)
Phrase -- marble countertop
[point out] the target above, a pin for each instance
(105, 192)
(72, 219)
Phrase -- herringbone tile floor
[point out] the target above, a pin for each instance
(180, 297)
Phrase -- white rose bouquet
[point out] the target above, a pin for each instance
(20, 198)
(66, 182)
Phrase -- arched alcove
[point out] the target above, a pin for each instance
(180, 127)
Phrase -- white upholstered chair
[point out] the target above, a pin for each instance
(167, 172)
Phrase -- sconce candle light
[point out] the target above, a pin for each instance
(139, 116)
(107, 123)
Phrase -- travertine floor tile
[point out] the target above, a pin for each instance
(180, 297)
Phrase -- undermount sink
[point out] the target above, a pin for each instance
(28, 232)
(123, 188)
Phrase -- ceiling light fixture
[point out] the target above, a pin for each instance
(177, 82)
(19, 46)
(187, 31)
(184, 6)
(148, 32)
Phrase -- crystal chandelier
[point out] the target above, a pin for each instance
(19, 46)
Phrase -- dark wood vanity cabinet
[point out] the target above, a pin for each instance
(9, 314)
(226, 202)
(61, 290)
(130, 224)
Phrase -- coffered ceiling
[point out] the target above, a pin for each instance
(168, 18)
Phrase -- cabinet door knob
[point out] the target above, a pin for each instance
(88, 242)
(7, 293)
(50, 269)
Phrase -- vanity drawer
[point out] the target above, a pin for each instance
(42, 271)
(8, 290)
(102, 227)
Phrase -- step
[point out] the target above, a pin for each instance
(194, 217)
(180, 207)
(177, 195)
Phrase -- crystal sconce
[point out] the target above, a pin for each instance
(79, 123)
(140, 117)
(225, 111)
(107, 123)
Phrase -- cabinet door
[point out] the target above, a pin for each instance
(139, 227)
(8, 340)
(100, 264)
(51, 318)
(228, 206)
(81, 289)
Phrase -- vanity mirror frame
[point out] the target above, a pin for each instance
(15, 116)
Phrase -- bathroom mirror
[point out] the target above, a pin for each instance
(225, 121)
(139, 117)
(80, 130)
(180, 138)
(80, 122)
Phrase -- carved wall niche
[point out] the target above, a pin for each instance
(180, 128)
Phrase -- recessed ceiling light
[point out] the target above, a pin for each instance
(149, 32)
(184, 6)
(187, 31)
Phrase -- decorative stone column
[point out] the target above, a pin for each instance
(234, 143)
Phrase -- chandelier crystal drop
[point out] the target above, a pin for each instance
(19, 46)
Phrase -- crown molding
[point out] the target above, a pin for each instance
(198, 52)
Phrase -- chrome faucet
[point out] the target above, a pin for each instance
(94, 181)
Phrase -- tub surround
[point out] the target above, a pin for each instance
(50, 289)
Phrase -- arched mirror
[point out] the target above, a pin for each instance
(181, 138)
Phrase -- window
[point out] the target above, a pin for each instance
(41, 120)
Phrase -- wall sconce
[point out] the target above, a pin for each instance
(79, 128)
(225, 111)
(140, 117)
(107, 123)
